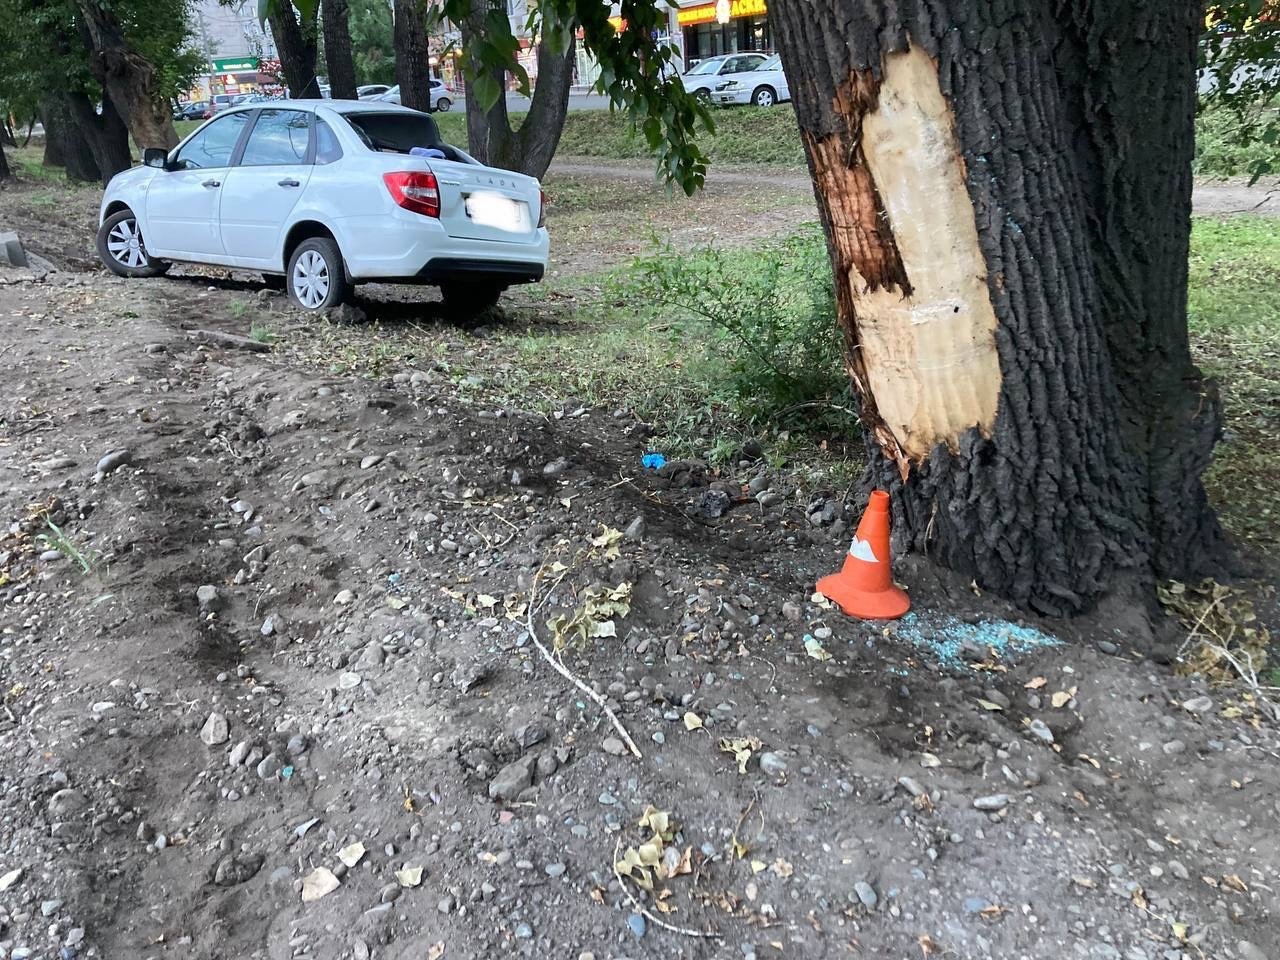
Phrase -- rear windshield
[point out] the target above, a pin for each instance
(395, 132)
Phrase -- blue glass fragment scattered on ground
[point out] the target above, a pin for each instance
(943, 636)
(653, 461)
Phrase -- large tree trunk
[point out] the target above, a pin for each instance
(70, 124)
(104, 135)
(337, 49)
(128, 78)
(296, 43)
(413, 60)
(1006, 193)
(529, 149)
(5, 172)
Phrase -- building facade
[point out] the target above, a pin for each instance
(708, 29)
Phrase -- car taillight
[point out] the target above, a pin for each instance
(542, 208)
(415, 191)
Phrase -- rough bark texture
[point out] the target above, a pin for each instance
(296, 43)
(530, 148)
(337, 49)
(413, 60)
(104, 135)
(129, 78)
(90, 147)
(1071, 123)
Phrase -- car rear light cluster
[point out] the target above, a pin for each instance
(542, 208)
(415, 191)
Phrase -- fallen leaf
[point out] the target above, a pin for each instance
(1060, 699)
(741, 748)
(758, 865)
(782, 868)
(927, 944)
(409, 876)
(351, 855)
(1089, 760)
(597, 894)
(1086, 882)
(650, 853)
(1180, 930)
(659, 821)
(1233, 882)
(486, 601)
(692, 721)
(814, 648)
(1035, 683)
(740, 849)
(608, 540)
(686, 863)
(320, 882)
(988, 705)
(397, 603)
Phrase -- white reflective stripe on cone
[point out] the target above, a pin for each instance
(861, 550)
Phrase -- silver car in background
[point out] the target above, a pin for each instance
(763, 86)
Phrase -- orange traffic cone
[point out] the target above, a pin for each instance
(864, 586)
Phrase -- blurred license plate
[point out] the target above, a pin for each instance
(495, 210)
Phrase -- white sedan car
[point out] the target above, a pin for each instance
(329, 193)
(764, 86)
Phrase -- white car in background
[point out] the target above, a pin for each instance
(705, 75)
(441, 96)
(763, 86)
(329, 193)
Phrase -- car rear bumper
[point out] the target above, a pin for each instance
(404, 247)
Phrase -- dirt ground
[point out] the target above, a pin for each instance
(270, 691)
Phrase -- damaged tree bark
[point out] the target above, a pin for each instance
(1006, 194)
(130, 79)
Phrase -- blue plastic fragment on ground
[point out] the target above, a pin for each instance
(943, 636)
(653, 461)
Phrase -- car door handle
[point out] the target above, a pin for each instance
(211, 184)
(288, 182)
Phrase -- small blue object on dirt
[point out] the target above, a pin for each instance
(653, 461)
(637, 925)
(944, 637)
(976, 904)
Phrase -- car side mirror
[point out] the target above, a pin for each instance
(155, 157)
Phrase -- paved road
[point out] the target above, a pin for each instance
(1209, 198)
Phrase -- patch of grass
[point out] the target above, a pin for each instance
(1234, 309)
(57, 540)
(1219, 150)
(261, 333)
(237, 309)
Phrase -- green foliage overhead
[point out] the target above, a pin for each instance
(1240, 61)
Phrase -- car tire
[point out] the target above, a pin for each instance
(703, 96)
(122, 250)
(443, 104)
(764, 97)
(468, 303)
(316, 279)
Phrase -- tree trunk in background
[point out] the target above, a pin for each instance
(337, 49)
(529, 149)
(129, 78)
(413, 61)
(66, 144)
(104, 136)
(5, 172)
(1006, 193)
(296, 43)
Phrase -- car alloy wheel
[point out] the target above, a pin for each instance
(124, 243)
(311, 279)
(444, 104)
(764, 97)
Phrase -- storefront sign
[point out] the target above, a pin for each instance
(707, 12)
(234, 64)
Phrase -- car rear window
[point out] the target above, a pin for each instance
(395, 132)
